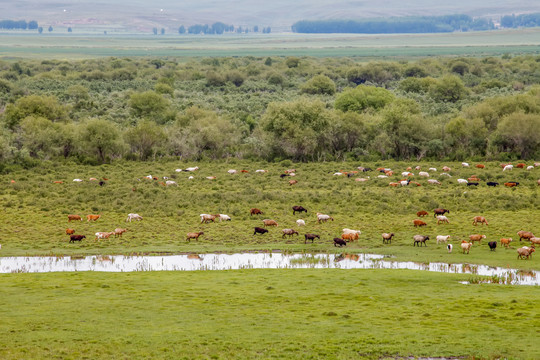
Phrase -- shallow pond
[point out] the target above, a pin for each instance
(191, 262)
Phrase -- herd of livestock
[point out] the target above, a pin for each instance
(350, 235)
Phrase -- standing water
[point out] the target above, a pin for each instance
(191, 262)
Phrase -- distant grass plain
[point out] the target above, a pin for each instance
(81, 46)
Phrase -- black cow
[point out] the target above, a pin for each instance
(259, 230)
(492, 183)
(472, 184)
(340, 242)
(296, 209)
(311, 237)
(492, 245)
(73, 238)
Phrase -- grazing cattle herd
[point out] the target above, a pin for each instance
(349, 235)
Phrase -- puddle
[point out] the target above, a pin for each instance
(192, 262)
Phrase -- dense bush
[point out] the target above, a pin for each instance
(274, 108)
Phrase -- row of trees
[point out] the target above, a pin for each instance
(18, 24)
(219, 28)
(409, 24)
(523, 20)
(269, 108)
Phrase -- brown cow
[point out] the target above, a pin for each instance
(268, 222)
(418, 223)
(349, 237)
(74, 217)
(521, 165)
(119, 231)
(479, 219)
(194, 235)
(480, 166)
(506, 242)
(92, 217)
(255, 211)
(476, 237)
(527, 235)
(293, 182)
(421, 213)
(70, 231)
(511, 184)
(525, 252)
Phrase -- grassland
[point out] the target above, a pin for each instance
(292, 314)
(36, 209)
(73, 46)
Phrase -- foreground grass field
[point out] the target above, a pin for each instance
(74, 46)
(35, 209)
(303, 314)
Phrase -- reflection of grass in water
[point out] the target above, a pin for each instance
(310, 260)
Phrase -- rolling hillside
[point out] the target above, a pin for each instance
(140, 15)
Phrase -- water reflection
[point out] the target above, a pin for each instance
(191, 262)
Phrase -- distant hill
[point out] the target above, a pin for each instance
(143, 15)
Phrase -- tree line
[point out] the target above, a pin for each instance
(523, 20)
(393, 25)
(18, 24)
(269, 108)
(219, 28)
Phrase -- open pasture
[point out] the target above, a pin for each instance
(83, 46)
(36, 209)
(304, 314)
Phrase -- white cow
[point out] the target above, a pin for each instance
(77, 180)
(178, 170)
(232, 171)
(442, 238)
(132, 216)
(261, 171)
(223, 217)
(464, 164)
(462, 181)
(192, 168)
(170, 182)
(300, 222)
(508, 167)
(423, 173)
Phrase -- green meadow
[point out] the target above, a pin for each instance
(265, 314)
(36, 209)
(288, 314)
(81, 46)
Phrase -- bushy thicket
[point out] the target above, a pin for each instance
(272, 108)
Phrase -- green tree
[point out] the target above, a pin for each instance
(200, 132)
(407, 130)
(319, 85)
(235, 77)
(148, 104)
(34, 105)
(41, 137)
(520, 133)
(101, 138)
(292, 62)
(466, 136)
(50, 28)
(363, 97)
(297, 129)
(181, 29)
(145, 138)
(449, 88)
